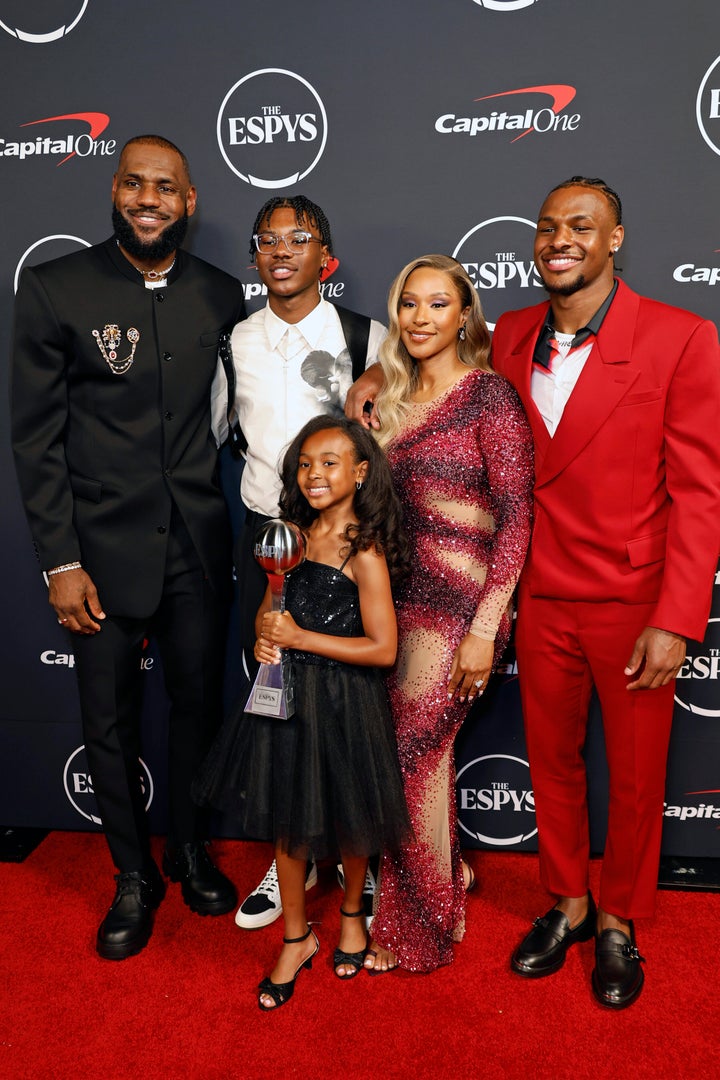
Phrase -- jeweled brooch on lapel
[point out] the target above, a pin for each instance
(109, 342)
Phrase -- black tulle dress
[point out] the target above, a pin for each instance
(328, 780)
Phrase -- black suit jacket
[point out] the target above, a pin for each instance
(101, 457)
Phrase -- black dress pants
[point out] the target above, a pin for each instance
(190, 626)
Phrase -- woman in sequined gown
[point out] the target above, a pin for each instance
(460, 452)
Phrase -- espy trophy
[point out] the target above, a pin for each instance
(279, 548)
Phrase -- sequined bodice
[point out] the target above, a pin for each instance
(325, 600)
(465, 491)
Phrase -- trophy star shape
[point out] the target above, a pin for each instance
(279, 548)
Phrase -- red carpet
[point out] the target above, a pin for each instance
(185, 1007)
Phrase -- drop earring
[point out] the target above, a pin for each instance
(461, 333)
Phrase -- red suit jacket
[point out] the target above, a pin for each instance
(627, 492)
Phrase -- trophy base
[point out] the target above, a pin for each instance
(273, 693)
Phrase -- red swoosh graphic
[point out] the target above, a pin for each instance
(97, 122)
(710, 791)
(561, 95)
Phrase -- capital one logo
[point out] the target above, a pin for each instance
(53, 247)
(272, 128)
(38, 22)
(689, 273)
(526, 119)
(707, 106)
(497, 255)
(65, 141)
(78, 785)
(329, 290)
(496, 804)
(697, 688)
(505, 5)
(703, 811)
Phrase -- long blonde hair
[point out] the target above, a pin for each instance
(399, 368)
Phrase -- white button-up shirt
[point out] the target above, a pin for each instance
(286, 373)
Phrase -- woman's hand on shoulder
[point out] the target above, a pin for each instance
(362, 394)
(471, 667)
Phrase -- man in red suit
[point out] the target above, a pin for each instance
(623, 395)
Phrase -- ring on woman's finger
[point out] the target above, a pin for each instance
(479, 682)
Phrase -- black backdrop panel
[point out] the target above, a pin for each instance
(419, 126)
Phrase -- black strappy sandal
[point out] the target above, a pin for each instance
(282, 992)
(355, 960)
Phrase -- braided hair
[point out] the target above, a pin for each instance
(595, 182)
(305, 211)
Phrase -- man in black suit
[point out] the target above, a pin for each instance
(114, 355)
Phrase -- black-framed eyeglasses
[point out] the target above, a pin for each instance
(295, 242)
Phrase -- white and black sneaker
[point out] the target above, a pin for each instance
(263, 906)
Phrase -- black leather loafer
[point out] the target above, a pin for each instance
(127, 927)
(205, 889)
(542, 951)
(617, 977)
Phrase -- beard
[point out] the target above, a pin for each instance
(566, 289)
(161, 247)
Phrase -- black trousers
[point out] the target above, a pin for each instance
(189, 626)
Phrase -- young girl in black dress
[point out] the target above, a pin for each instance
(328, 779)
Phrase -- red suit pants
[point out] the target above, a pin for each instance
(564, 648)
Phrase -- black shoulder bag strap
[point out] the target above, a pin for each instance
(236, 438)
(356, 330)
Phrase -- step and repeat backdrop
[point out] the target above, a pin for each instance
(419, 126)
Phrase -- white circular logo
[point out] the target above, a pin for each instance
(496, 804)
(696, 686)
(272, 128)
(707, 106)
(497, 255)
(505, 5)
(21, 11)
(61, 244)
(79, 789)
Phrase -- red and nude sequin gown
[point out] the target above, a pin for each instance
(462, 466)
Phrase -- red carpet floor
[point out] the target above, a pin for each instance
(186, 1006)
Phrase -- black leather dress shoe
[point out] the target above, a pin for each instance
(127, 927)
(617, 977)
(205, 889)
(542, 951)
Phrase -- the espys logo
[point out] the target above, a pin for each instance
(689, 273)
(30, 22)
(707, 106)
(68, 143)
(78, 785)
(496, 804)
(505, 5)
(530, 119)
(696, 687)
(497, 255)
(272, 128)
(53, 247)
